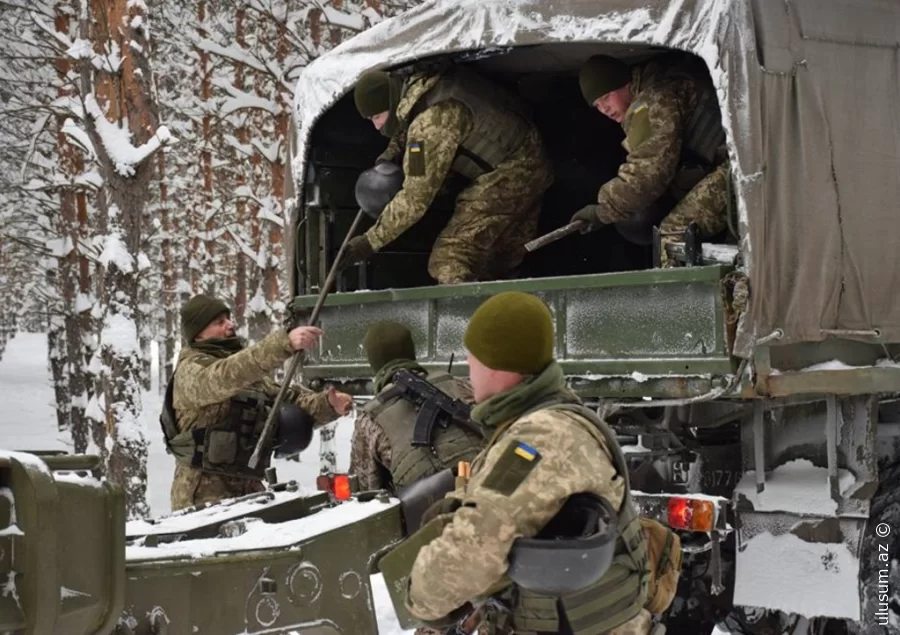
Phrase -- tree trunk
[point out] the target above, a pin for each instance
(126, 104)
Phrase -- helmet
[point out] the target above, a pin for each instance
(295, 430)
(572, 552)
(377, 186)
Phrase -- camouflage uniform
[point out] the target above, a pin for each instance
(654, 125)
(470, 556)
(495, 215)
(203, 387)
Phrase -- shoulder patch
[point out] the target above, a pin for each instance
(512, 468)
(415, 153)
(639, 128)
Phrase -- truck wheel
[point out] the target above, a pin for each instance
(879, 575)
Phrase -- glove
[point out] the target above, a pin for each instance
(589, 214)
(357, 250)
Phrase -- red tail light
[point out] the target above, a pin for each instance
(691, 514)
(340, 487)
(337, 485)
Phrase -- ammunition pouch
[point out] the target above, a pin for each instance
(226, 446)
(419, 497)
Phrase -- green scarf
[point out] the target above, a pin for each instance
(519, 399)
(384, 376)
(219, 346)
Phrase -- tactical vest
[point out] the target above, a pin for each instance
(226, 446)
(621, 593)
(410, 463)
(499, 121)
(703, 138)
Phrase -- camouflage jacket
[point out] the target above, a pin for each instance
(653, 125)
(470, 556)
(202, 390)
(439, 129)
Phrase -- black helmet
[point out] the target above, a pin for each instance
(572, 552)
(295, 430)
(377, 186)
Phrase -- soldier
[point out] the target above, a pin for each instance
(546, 447)
(457, 123)
(219, 398)
(677, 166)
(382, 454)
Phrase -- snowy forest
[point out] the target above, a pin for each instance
(142, 160)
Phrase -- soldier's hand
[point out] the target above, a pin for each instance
(590, 216)
(357, 250)
(340, 402)
(304, 338)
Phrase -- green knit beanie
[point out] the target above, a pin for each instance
(198, 312)
(512, 331)
(386, 342)
(372, 94)
(600, 75)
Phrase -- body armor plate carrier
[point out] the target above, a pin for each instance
(226, 446)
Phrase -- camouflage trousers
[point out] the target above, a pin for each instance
(494, 217)
(706, 204)
(192, 487)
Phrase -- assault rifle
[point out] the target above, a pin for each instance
(435, 406)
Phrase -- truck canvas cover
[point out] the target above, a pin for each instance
(808, 90)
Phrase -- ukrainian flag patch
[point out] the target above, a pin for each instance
(415, 153)
(512, 468)
(526, 451)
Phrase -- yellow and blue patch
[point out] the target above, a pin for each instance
(512, 468)
(415, 153)
(526, 451)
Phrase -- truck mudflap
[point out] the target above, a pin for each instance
(62, 545)
(275, 562)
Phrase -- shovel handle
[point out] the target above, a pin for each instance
(556, 234)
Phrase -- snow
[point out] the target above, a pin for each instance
(117, 140)
(826, 572)
(115, 251)
(120, 333)
(28, 422)
(797, 486)
(262, 535)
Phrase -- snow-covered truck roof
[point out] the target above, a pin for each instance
(808, 90)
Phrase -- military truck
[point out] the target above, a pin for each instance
(755, 385)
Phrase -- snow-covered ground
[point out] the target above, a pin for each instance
(28, 422)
